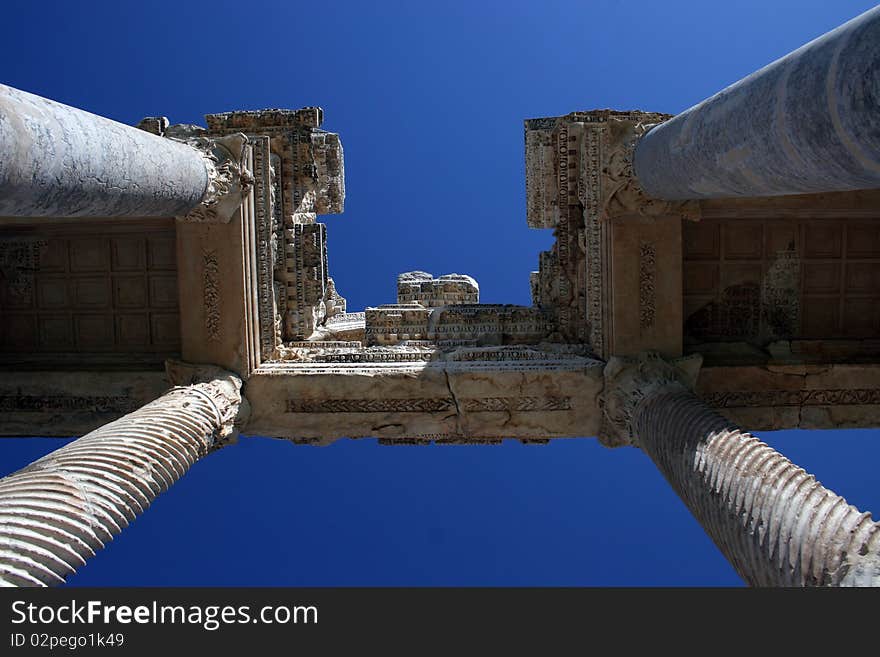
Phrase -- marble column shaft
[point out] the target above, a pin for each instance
(806, 123)
(59, 161)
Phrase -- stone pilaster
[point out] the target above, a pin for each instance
(609, 234)
(773, 521)
(62, 508)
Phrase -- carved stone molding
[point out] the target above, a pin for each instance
(430, 405)
(628, 381)
(223, 388)
(212, 294)
(580, 182)
(779, 398)
(229, 181)
(621, 192)
(647, 284)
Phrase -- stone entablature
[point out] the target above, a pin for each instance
(579, 182)
(422, 288)
(309, 164)
(424, 394)
(307, 178)
(476, 324)
(295, 171)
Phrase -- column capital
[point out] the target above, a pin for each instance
(222, 387)
(622, 193)
(628, 381)
(229, 180)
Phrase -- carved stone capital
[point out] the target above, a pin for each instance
(622, 194)
(229, 181)
(630, 380)
(224, 388)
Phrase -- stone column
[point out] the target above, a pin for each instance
(56, 512)
(774, 522)
(59, 161)
(805, 123)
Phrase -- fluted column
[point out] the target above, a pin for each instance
(805, 123)
(773, 521)
(56, 512)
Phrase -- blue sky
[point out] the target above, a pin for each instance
(428, 99)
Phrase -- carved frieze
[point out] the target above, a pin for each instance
(777, 398)
(429, 405)
(65, 403)
(300, 172)
(579, 178)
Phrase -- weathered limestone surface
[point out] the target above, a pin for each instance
(423, 395)
(462, 324)
(59, 161)
(422, 288)
(613, 278)
(805, 123)
(299, 173)
(775, 396)
(58, 511)
(64, 404)
(774, 522)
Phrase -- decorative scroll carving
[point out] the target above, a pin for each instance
(767, 398)
(630, 380)
(522, 404)
(621, 191)
(647, 284)
(429, 405)
(415, 405)
(58, 403)
(211, 300)
(229, 181)
(19, 261)
(440, 439)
